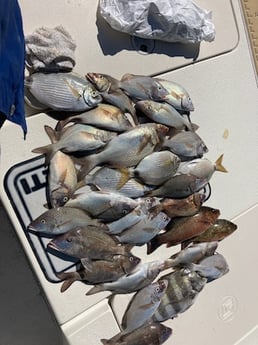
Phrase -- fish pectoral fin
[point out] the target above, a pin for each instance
(146, 306)
(175, 95)
(148, 230)
(73, 90)
(125, 176)
(219, 166)
(69, 278)
(86, 263)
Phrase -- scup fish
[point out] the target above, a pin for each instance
(186, 145)
(157, 167)
(88, 242)
(99, 271)
(80, 140)
(141, 276)
(113, 180)
(177, 96)
(63, 91)
(163, 113)
(145, 230)
(180, 207)
(216, 232)
(108, 206)
(202, 167)
(117, 97)
(103, 82)
(194, 253)
(128, 148)
(179, 186)
(184, 286)
(153, 333)
(142, 305)
(141, 87)
(103, 116)
(61, 178)
(104, 135)
(60, 220)
(127, 221)
(183, 228)
(211, 267)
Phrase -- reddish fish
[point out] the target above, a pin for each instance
(181, 229)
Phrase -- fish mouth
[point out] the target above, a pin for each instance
(31, 228)
(52, 245)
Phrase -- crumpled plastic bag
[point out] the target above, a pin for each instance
(166, 20)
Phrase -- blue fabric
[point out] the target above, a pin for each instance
(12, 60)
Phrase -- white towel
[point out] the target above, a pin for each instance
(50, 50)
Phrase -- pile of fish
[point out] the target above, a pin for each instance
(126, 168)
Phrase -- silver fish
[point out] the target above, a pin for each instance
(179, 186)
(127, 221)
(143, 305)
(184, 286)
(62, 179)
(194, 253)
(88, 242)
(104, 135)
(63, 91)
(103, 116)
(202, 168)
(78, 141)
(127, 149)
(186, 144)
(211, 267)
(107, 206)
(141, 276)
(177, 95)
(99, 271)
(141, 87)
(157, 167)
(163, 113)
(145, 230)
(111, 94)
(59, 220)
(117, 180)
(150, 334)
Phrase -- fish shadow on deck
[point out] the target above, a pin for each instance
(112, 42)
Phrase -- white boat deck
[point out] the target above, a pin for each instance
(221, 80)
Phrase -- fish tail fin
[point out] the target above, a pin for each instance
(51, 134)
(48, 150)
(126, 174)
(95, 289)
(87, 164)
(69, 278)
(153, 244)
(60, 125)
(219, 166)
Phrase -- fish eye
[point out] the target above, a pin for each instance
(94, 94)
(69, 239)
(65, 198)
(157, 289)
(43, 221)
(124, 211)
(131, 258)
